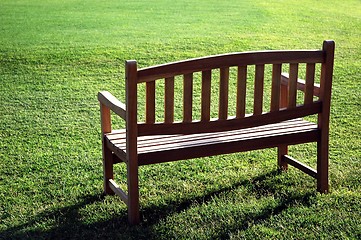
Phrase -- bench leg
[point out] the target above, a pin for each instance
(107, 169)
(322, 166)
(282, 150)
(133, 193)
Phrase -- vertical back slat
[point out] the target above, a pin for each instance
(206, 95)
(276, 87)
(284, 95)
(150, 102)
(292, 87)
(223, 93)
(258, 90)
(187, 97)
(241, 91)
(310, 81)
(169, 100)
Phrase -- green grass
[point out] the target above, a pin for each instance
(56, 55)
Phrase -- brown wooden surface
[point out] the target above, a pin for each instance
(301, 84)
(301, 166)
(118, 138)
(292, 85)
(324, 117)
(231, 123)
(118, 151)
(276, 87)
(108, 100)
(187, 97)
(160, 148)
(282, 150)
(206, 95)
(107, 167)
(181, 141)
(169, 100)
(258, 90)
(223, 93)
(228, 60)
(284, 93)
(310, 81)
(150, 102)
(131, 142)
(241, 91)
(118, 191)
(149, 143)
(116, 159)
(105, 119)
(225, 148)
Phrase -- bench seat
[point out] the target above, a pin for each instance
(162, 148)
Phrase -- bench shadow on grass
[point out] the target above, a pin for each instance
(68, 224)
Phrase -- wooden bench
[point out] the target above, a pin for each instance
(277, 124)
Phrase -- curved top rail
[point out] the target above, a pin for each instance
(228, 60)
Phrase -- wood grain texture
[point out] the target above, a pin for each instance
(310, 81)
(150, 142)
(185, 141)
(111, 102)
(162, 148)
(231, 123)
(105, 119)
(284, 93)
(282, 150)
(169, 100)
(292, 85)
(228, 60)
(223, 93)
(107, 167)
(276, 87)
(187, 97)
(241, 91)
(301, 84)
(199, 150)
(150, 102)
(258, 90)
(131, 142)
(301, 166)
(206, 95)
(118, 191)
(324, 116)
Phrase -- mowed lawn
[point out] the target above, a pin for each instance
(56, 55)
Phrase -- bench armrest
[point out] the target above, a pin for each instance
(301, 84)
(108, 100)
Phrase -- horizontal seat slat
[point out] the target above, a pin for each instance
(218, 135)
(150, 145)
(160, 139)
(227, 147)
(188, 143)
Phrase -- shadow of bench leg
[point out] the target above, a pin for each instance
(133, 192)
(282, 150)
(322, 166)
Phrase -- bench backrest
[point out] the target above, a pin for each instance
(282, 103)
